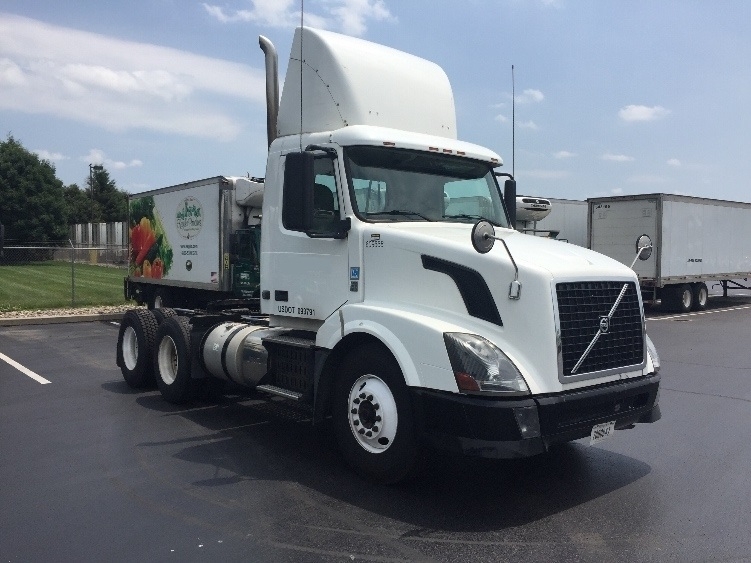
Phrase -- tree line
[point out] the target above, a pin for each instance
(35, 206)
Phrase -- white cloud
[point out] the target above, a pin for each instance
(119, 85)
(564, 154)
(97, 156)
(531, 125)
(11, 74)
(617, 191)
(617, 157)
(530, 96)
(642, 113)
(501, 118)
(51, 156)
(348, 16)
(674, 162)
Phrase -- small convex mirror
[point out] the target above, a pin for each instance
(644, 247)
(483, 235)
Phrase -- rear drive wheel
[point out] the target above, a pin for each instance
(163, 313)
(172, 360)
(701, 296)
(135, 342)
(372, 416)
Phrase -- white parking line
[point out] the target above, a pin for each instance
(22, 369)
(697, 314)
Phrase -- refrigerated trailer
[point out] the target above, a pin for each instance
(694, 241)
(195, 243)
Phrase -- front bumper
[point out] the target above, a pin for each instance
(489, 427)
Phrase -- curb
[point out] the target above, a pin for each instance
(59, 319)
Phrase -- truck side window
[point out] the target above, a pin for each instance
(325, 197)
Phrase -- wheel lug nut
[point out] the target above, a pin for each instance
(356, 422)
(356, 401)
(370, 397)
(369, 434)
(363, 395)
(353, 411)
(376, 406)
(378, 419)
(361, 431)
(375, 429)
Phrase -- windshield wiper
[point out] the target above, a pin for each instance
(399, 212)
(478, 217)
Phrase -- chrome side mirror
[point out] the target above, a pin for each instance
(483, 237)
(643, 249)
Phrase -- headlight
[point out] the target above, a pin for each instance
(652, 351)
(481, 366)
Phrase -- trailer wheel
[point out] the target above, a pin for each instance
(135, 342)
(701, 296)
(172, 360)
(372, 416)
(678, 298)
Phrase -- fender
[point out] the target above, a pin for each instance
(428, 366)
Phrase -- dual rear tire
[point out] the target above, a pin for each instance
(684, 298)
(153, 346)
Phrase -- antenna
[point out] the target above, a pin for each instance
(302, 21)
(513, 122)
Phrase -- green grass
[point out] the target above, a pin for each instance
(47, 285)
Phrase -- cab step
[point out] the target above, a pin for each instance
(279, 391)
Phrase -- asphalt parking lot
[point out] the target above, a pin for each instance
(92, 470)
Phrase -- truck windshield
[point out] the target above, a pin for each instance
(405, 185)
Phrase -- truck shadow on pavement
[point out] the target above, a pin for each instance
(247, 438)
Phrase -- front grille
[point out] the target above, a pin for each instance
(581, 306)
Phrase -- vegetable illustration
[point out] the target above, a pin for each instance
(148, 242)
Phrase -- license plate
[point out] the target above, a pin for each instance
(601, 431)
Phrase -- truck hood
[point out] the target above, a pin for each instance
(559, 259)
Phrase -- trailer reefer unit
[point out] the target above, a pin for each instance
(694, 241)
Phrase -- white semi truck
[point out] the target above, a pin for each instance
(395, 298)
(696, 241)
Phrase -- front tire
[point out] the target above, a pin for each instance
(372, 416)
(172, 360)
(135, 342)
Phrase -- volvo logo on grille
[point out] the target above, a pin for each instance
(603, 329)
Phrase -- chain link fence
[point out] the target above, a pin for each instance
(61, 274)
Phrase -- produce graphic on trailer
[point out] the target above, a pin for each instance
(150, 251)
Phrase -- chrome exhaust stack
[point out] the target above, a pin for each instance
(272, 86)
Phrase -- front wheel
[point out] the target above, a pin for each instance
(172, 360)
(372, 416)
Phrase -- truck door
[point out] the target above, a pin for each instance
(310, 276)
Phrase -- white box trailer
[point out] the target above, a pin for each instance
(195, 242)
(695, 240)
(569, 218)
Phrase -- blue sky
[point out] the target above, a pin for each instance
(612, 97)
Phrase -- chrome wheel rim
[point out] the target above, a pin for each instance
(372, 414)
(167, 360)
